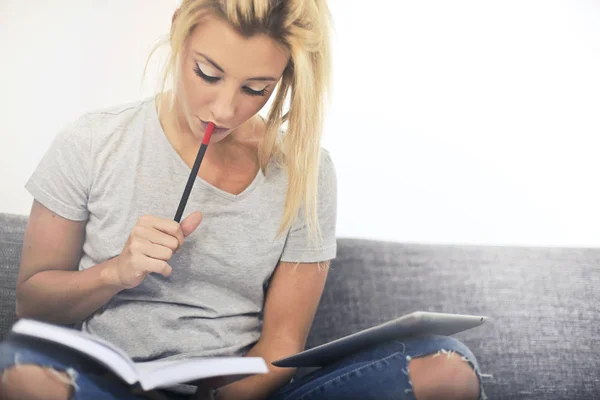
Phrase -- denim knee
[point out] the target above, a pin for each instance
(443, 346)
(88, 379)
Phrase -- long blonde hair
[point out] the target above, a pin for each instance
(302, 27)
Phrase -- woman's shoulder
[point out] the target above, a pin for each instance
(277, 169)
(325, 158)
(118, 114)
(110, 123)
(327, 172)
(325, 161)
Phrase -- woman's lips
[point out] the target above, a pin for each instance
(217, 130)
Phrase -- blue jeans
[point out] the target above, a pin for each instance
(380, 372)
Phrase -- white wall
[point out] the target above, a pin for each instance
(451, 122)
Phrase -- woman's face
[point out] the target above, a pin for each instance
(226, 77)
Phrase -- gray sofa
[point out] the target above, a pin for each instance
(543, 337)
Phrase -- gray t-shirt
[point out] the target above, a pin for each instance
(112, 166)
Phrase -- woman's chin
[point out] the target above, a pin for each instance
(217, 137)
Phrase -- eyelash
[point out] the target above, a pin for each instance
(212, 80)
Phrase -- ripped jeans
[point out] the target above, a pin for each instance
(379, 372)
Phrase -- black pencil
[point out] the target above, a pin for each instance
(194, 172)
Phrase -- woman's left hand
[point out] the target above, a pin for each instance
(207, 388)
(204, 394)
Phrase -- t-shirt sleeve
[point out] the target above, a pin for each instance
(299, 247)
(61, 181)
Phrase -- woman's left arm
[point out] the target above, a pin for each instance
(292, 300)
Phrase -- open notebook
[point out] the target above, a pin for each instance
(147, 375)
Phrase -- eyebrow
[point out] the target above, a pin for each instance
(217, 66)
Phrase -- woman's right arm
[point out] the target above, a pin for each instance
(51, 288)
(49, 285)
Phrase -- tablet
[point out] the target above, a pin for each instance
(418, 323)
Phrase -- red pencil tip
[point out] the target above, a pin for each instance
(209, 130)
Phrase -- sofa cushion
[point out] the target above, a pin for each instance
(543, 337)
(12, 228)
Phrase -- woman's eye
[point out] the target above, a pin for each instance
(215, 79)
(253, 92)
(207, 78)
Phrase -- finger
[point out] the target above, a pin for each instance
(190, 223)
(157, 266)
(169, 227)
(215, 382)
(157, 237)
(156, 251)
(164, 225)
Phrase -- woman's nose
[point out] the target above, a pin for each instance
(223, 107)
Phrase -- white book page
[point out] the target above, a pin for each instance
(106, 353)
(162, 374)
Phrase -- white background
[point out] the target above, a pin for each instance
(451, 122)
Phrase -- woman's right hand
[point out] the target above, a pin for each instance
(150, 246)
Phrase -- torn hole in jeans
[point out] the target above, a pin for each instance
(70, 379)
(449, 354)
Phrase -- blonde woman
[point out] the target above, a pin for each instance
(243, 273)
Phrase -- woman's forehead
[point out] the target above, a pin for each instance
(236, 54)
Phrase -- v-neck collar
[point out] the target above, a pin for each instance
(174, 154)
